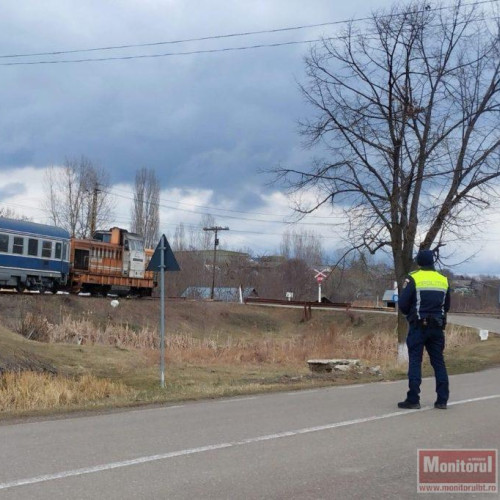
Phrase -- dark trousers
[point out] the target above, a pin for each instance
(432, 338)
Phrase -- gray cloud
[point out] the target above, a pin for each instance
(13, 189)
(208, 121)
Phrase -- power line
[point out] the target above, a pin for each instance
(223, 36)
(114, 191)
(205, 51)
(270, 221)
(239, 231)
(174, 42)
(167, 54)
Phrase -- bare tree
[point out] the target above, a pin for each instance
(206, 237)
(77, 196)
(408, 110)
(146, 210)
(179, 241)
(9, 213)
(302, 245)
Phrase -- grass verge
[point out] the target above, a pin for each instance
(97, 361)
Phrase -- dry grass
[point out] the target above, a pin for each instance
(85, 332)
(459, 336)
(212, 350)
(335, 341)
(29, 390)
(378, 347)
(290, 352)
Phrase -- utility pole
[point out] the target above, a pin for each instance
(215, 229)
(93, 211)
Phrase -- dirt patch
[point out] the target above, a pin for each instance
(20, 360)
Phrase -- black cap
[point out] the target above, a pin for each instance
(425, 258)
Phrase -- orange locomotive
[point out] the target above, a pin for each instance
(114, 261)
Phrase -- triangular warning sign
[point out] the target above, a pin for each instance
(169, 261)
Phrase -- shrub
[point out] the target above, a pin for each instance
(34, 327)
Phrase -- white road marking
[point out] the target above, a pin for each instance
(472, 400)
(235, 400)
(353, 386)
(300, 392)
(220, 446)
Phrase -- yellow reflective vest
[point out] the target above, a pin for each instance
(426, 295)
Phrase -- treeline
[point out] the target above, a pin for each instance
(358, 279)
(78, 198)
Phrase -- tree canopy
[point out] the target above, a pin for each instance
(407, 111)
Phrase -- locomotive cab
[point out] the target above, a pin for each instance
(132, 245)
(134, 256)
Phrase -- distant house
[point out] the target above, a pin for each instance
(463, 286)
(390, 298)
(222, 293)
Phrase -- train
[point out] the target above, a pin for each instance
(44, 258)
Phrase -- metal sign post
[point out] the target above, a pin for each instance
(163, 260)
(162, 314)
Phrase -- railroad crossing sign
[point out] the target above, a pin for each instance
(320, 275)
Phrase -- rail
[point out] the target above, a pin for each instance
(253, 300)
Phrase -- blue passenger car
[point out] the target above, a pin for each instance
(33, 256)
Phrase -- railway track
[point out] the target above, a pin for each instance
(249, 301)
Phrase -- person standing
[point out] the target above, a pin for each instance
(425, 301)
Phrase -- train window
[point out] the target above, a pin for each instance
(65, 251)
(32, 247)
(4, 242)
(57, 254)
(47, 249)
(18, 246)
(81, 259)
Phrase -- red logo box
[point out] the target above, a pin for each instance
(441, 470)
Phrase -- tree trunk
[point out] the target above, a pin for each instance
(402, 328)
(402, 266)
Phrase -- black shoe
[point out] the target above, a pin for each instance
(409, 406)
(440, 406)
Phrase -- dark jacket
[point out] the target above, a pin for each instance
(426, 294)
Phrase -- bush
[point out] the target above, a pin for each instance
(35, 327)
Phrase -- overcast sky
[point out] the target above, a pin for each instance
(207, 123)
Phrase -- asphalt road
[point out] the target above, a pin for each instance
(483, 322)
(336, 443)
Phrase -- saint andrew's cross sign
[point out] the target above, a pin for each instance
(320, 275)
